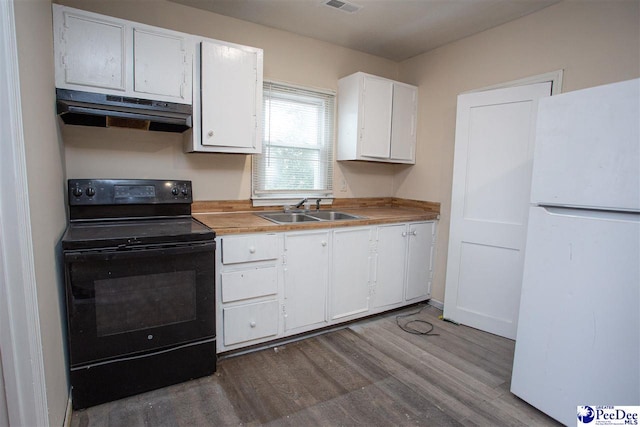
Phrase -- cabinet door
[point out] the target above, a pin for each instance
(248, 248)
(375, 125)
(306, 272)
(90, 50)
(250, 322)
(403, 124)
(391, 264)
(162, 65)
(420, 260)
(231, 97)
(351, 266)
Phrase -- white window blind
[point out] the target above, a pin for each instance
(297, 150)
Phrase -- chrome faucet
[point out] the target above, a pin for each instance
(318, 203)
(302, 202)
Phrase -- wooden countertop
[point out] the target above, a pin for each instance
(236, 217)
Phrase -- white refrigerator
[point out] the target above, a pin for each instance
(578, 338)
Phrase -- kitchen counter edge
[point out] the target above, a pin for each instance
(239, 216)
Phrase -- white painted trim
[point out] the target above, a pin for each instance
(280, 202)
(22, 357)
(437, 304)
(555, 77)
(68, 413)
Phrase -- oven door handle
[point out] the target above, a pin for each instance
(130, 252)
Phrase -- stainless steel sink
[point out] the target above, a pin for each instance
(292, 217)
(332, 215)
(287, 217)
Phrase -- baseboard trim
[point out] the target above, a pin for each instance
(68, 412)
(437, 304)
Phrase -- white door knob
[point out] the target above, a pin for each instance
(210, 133)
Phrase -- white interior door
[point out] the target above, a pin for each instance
(495, 133)
(4, 412)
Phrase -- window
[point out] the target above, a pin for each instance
(297, 150)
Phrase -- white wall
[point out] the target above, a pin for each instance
(45, 178)
(122, 153)
(595, 42)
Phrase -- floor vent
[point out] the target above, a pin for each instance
(343, 6)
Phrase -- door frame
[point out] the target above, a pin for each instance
(20, 339)
(555, 77)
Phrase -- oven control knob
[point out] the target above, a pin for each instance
(77, 191)
(185, 192)
(91, 191)
(175, 191)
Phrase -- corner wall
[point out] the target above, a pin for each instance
(45, 178)
(595, 42)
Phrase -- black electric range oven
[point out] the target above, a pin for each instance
(139, 279)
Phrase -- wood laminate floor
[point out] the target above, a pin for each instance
(369, 374)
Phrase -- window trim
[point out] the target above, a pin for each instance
(284, 197)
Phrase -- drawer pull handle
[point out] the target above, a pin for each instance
(324, 243)
(252, 250)
(252, 324)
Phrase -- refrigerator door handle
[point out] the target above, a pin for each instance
(593, 214)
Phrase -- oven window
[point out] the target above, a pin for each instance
(132, 303)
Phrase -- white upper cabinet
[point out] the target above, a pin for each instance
(97, 53)
(231, 98)
(161, 64)
(375, 126)
(403, 123)
(90, 50)
(376, 119)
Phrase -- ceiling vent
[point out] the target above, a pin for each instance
(343, 6)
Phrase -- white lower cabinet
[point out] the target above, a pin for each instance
(249, 322)
(419, 273)
(306, 273)
(391, 249)
(247, 289)
(405, 264)
(274, 285)
(351, 264)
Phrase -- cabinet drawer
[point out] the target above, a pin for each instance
(249, 248)
(249, 283)
(250, 322)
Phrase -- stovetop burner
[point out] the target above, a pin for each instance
(120, 214)
(128, 233)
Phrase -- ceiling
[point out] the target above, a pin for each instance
(393, 29)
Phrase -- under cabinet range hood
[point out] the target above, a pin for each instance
(101, 110)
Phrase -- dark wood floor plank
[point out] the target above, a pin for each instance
(370, 373)
(461, 341)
